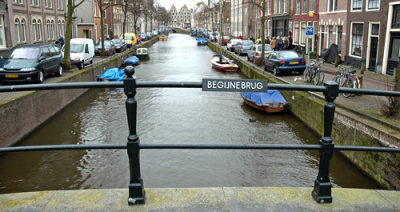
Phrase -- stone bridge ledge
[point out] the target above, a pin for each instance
(202, 199)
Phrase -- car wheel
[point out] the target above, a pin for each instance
(59, 71)
(40, 77)
(275, 71)
(248, 58)
(91, 61)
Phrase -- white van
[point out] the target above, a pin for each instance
(81, 51)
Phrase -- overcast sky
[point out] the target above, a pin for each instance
(179, 3)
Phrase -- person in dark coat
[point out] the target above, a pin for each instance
(279, 43)
(267, 41)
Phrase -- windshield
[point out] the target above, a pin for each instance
(115, 40)
(266, 48)
(24, 53)
(247, 43)
(286, 55)
(76, 48)
(127, 37)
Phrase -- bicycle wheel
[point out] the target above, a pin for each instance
(348, 83)
(307, 75)
(319, 77)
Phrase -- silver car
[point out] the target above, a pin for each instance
(243, 46)
(230, 46)
(255, 51)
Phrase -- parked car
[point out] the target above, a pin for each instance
(143, 36)
(226, 39)
(231, 44)
(255, 51)
(243, 46)
(214, 37)
(130, 39)
(154, 33)
(109, 48)
(120, 45)
(149, 35)
(284, 62)
(31, 63)
(81, 52)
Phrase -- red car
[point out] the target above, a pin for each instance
(226, 39)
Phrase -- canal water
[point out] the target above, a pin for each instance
(175, 116)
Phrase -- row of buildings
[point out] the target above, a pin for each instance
(366, 31)
(44, 21)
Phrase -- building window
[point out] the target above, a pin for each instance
(396, 17)
(312, 5)
(330, 35)
(357, 4)
(17, 30)
(303, 33)
(305, 9)
(34, 31)
(37, 2)
(21, 1)
(298, 5)
(2, 33)
(52, 30)
(296, 32)
(332, 5)
(39, 30)
(23, 30)
(48, 30)
(339, 39)
(373, 4)
(356, 39)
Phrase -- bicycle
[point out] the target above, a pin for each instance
(313, 72)
(351, 81)
(340, 76)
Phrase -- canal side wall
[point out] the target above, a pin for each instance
(349, 127)
(25, 113)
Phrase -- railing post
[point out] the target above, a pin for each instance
(136, 191)
(322, 185)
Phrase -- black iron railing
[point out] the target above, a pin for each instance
(322, 186)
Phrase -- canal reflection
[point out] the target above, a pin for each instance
(171, 115)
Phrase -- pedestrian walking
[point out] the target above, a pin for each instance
(273, 43)
(267, 41)
(279, 43)
(285, 43)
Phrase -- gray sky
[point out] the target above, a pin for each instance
(179, 3)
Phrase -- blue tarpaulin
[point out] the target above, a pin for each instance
(261, 98)
(113, 74)
(131, 60)
(201, 40)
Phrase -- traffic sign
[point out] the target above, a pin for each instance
(310, 32)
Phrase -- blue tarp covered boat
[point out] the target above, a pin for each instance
(131, 60)
(113, 74)
(201, 41)
(271, 101)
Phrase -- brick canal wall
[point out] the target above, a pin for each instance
(25, 113)
(349, 128)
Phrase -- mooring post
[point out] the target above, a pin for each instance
(322, 186)
(136, 190)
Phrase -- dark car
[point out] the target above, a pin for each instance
(120, 45)
(243, 46)
(109, 48)
(284, 62)
(143, 36)
(31, 63)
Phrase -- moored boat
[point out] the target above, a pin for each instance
(271, 101)
(133, 60)
(142, 53)
(112, 74)
(223, 63)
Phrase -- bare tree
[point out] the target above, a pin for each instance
(67, 37)
(137, 9)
